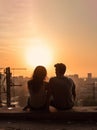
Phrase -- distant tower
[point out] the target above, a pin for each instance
(76, 76)
(89, 75)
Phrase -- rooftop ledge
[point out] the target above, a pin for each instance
(76, 114)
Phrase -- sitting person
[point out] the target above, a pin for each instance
(38, 90)
(62, 89)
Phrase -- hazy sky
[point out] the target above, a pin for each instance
(67, 27)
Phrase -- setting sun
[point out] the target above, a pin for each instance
(38, 55)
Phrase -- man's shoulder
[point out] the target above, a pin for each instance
(72, 82)
(68, 80)
(53, 78)
(63, 77)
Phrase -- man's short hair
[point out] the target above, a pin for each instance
(60, 67)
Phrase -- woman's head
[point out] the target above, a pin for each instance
(38, 78)
(40, 73)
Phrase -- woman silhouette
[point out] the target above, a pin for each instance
(38, 90)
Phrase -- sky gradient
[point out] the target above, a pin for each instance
(68, 28)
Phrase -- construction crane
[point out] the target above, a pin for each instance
(8, 75)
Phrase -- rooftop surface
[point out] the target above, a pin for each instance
(79, 118)
(75, 114)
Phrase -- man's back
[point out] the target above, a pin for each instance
(62, 90)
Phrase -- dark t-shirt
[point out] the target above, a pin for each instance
(62, 92)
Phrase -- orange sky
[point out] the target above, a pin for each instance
(65, 31)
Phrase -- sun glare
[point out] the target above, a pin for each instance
(38, 55)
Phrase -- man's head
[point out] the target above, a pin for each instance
(60, 68)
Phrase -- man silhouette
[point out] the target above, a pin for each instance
(62, 89)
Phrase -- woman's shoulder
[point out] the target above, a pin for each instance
(45, 83)
(30, 82)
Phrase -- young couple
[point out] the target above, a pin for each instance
(59, 92)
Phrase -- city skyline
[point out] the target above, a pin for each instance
(25, 72)
(46, 32)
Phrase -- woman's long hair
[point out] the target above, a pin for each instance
(38, 77)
